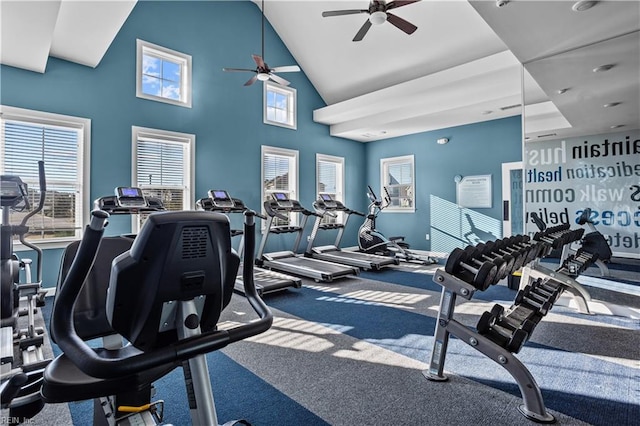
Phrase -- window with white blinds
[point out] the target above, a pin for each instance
(398, 179)
(330, 178)
(162, 167)
(279, 174)
(61, 142)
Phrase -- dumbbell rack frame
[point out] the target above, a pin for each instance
(534, 270)
(533, 406)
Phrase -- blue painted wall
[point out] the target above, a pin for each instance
(227, 120)
(474, 149)
(226, 117)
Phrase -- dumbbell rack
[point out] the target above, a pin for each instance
(534, 271)
(533, 406)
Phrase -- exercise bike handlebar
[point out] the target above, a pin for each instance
(94, 365)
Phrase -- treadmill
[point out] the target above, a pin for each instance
(325, 205)
(265, 281)
(280, 206)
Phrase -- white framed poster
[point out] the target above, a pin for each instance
(474, 191)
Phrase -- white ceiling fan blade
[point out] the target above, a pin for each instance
(287, 68)
(281, 81)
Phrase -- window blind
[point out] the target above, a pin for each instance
(160, 171)
(23, 145)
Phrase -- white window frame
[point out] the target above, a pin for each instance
(83, 202)
(384, 174)
(292, 104)
(339, 196)
(189, 140)
(293, 176)
(176, 57)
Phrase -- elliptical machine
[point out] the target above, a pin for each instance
(23, 361)
(370, 240)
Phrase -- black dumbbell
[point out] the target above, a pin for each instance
(510, 339)
(497, 258)
(534, 247)
(555, 239)
(477, 257)
(480, 276)
(518, 254)
(544, 292)
(514, 243)
(506, 321)
(522, 313)
(523, 297)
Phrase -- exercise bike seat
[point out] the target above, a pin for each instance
(65, 382)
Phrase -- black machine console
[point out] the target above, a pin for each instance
(221, 198)
(128, 200)
(13, 192)
(328, 201)
(282, 199)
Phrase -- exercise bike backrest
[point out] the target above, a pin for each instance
(177, 256)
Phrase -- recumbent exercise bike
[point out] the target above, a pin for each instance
(165, 296)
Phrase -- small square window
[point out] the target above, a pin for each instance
(163, 75)
(279, 105)
(398, 181)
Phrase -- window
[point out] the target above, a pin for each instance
(279, 105)
(62, 142)
(163, 168)
(163, 75)
(398, 179)
(280, 174)
(330, 178)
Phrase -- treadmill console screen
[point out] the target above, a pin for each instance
(282, 199)
(280, 196)
(220, 198)
(130, 197)
(326, 197)
(219, 194)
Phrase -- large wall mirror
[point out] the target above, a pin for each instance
(581, 115)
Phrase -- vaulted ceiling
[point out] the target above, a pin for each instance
(462, 65)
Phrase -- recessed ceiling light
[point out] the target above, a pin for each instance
(617, 126)
(603, 68)
(611, 104)
(563, 91)
(487, 112)
(583, 5)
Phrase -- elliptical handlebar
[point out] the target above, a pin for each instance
(94, 365)
(21, 236)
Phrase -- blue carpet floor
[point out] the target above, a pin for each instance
(572, 357)
(597, 391)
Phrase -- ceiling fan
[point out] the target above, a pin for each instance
(262, 70)
(378, 14)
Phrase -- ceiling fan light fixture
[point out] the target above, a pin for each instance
(378, 17)
(603, 68)
(583, 5)
(263, 76)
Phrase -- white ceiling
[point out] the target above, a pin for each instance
(461, 66)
